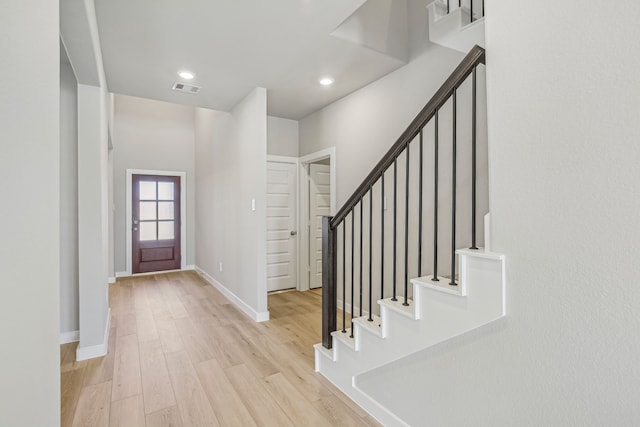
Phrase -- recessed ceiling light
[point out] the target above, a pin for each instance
(326, 81)
(187, 75)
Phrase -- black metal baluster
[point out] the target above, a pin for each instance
(471, 9)
(435, 202)
(360, 303)
(353, 226)
(483, 8)
(420, 209)
(344, 276)
(447, 6)
(406, 232)
(382, 203)
(473, 160)
(395, 225)
(453, 192)
(370, 254)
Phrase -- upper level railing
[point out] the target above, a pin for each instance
(474, 13)
(357, 252)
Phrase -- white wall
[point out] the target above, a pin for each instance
(152, 135)
(282, 137)
(363, 126)
(93, 225)
(563, 132)
(231, 151)
(68, 200)
(30, 213)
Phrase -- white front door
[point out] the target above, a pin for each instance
(319, 206)
(281, 226)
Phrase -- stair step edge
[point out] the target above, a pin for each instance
(481, 253)
(405, 310)
(328, 353)
(345, 338)
(373, 327)
(441, 285)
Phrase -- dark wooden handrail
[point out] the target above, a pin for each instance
(475, 56)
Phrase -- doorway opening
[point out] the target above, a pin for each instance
(318, 199)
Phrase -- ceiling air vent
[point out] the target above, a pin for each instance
(182, 87)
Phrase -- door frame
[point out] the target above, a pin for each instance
(303, 217)
(129, 213)
(294, 161)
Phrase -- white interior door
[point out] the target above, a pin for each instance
(282, 236)
(319, 206)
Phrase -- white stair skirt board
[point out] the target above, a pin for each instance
(437, 313)
(257, 316)
(455, 29)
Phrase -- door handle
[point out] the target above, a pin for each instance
(293, 233)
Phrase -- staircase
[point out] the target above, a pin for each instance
(458, 25)
(437, 313)
(416, 211)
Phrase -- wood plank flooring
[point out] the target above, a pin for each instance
(181, 355)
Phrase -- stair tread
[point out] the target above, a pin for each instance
(324, 351)
(345, 337)
(398, 307)
(373, 326)
(441, 285)
(480, 253)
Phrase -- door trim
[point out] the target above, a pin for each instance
(129, 210)
(303, 217)
(295, 161)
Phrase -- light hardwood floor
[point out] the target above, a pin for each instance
(181, 355)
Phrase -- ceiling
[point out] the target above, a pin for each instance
(232, 46)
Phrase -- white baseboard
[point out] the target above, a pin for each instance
(71, 336)
(126, 274)
(84, 353)
(258, 316)
(112, 280)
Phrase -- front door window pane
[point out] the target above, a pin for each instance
(165, 230)
(148, 231)
(165, 210)
(147, 190)
(165, 191)
(147, 211)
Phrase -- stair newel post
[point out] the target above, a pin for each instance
(406, 230)
(353, 225)
(382, 206)
(329, 281)
(361, 260)
(473, 159)
(344, 276)
(435, 200)
(395, 225)
(420, 207)
(370, 319)
(453, 189)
